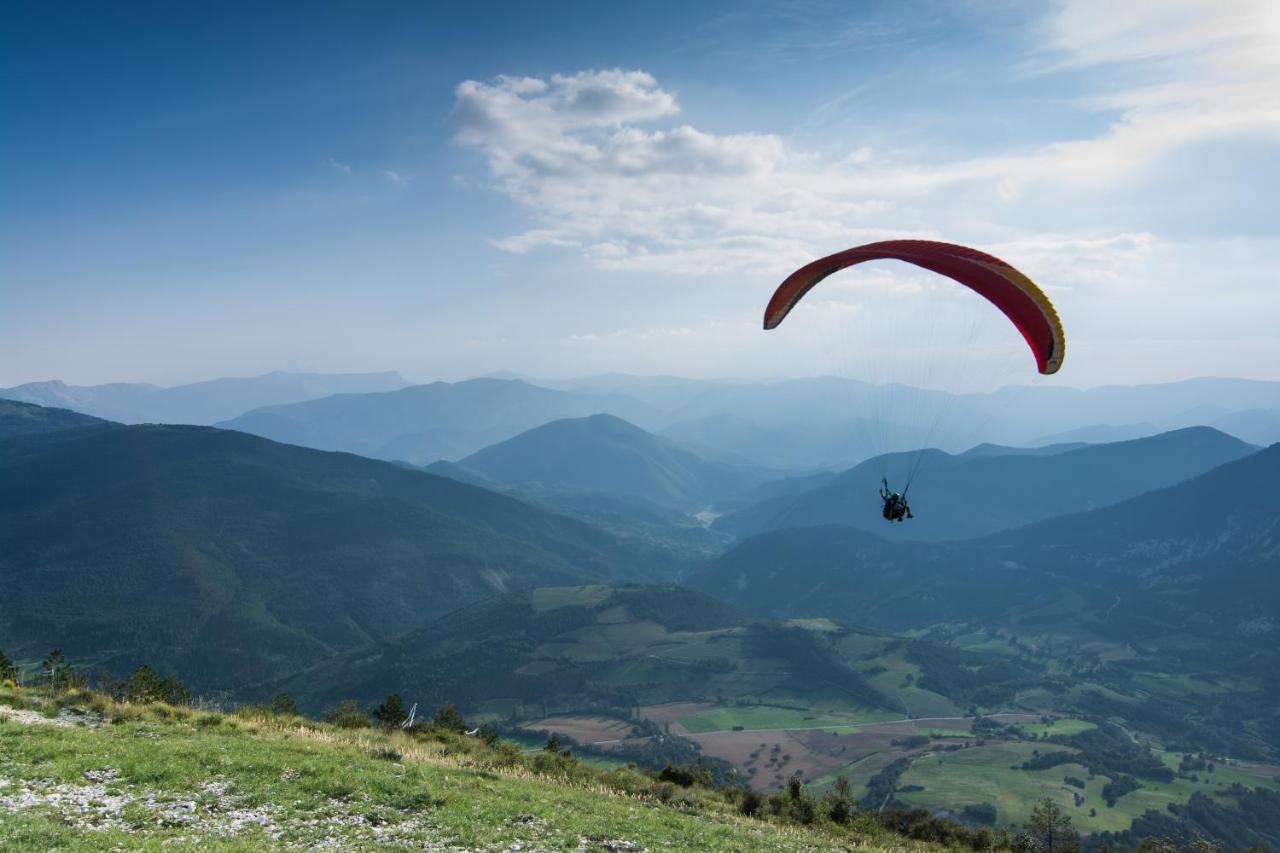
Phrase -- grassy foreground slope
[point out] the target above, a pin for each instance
(157, 777)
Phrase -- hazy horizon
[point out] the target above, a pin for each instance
(507, 374)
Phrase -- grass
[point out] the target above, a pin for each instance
(553, 598)
(983, 774)
(952, 780)
(1063, 727)
(155, 777)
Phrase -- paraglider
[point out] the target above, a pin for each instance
(895, 505)
(1017, 296)
(1009, 290)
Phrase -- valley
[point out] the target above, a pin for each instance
(1076, 659)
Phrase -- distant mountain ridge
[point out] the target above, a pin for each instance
(18, 419)
(802, 425)
(603, 453)
(1202, 554)
(200, 402)
(424, 423)
(974, 495)
(232, 559)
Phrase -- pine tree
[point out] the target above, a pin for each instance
(8, 669)
(284, 706)
(391, 712)
(841, 805)
(146, 685)
(59, 672)
(449, 717)
(1051, 829)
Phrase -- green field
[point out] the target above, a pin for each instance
(858, 773)
(604, 762)
(984, 775)
(552, 598)
(1064, 728)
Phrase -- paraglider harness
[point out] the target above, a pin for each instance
(895, 505)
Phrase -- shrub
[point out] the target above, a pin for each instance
(686, 776)
(146, 685)
(283, 705)
(8, 669)
(751, 804)
(347, 715)
(391, 712)
(450, 719)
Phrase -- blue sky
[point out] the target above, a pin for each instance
(199, 190)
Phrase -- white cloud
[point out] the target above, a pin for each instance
(591, 157)
(341, 167)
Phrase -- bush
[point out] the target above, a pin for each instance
(751, 804)
(981, 814)
(347, 715)
(146, 685)
(1118, 787)
(284, 706)
(450, 719)
(391, 713)
(8, 669)
(686, 776)
(840, 809)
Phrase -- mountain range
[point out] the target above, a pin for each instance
(1205, 549)
(606, 455)
(233, 559)
(424, 423)
(19, 419)
(802, 425)
(989, 489)
(1168, 589)
(199, 402)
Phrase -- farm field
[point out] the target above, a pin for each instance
(673, 712)
(584, 729)
(984, 774)
(770, 717)
(1062, 728)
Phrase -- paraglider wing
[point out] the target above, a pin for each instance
(1013, 293)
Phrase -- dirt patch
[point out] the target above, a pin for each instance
(32, 718)
(1263, 771)
(105, 802)
(584, 729)
(672, 711)
(773, 755)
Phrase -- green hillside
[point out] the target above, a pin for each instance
(973, 495)
(235, 560)
(423, 423)
(612, 648)
(1161, 611)
(605, 454)
(18, 419)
